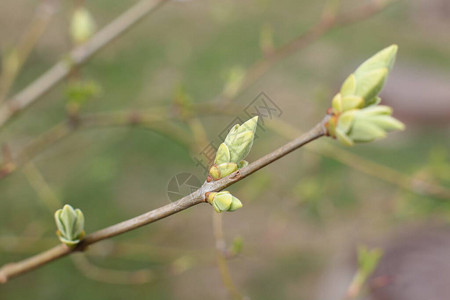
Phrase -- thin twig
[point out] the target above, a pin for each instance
(156, 120)
(111, 276)
(327, 22)
(43, 190)
(365, 166)
(77, 56)
(15, 269)
(153, 121)
(28, 41)
(225, 274)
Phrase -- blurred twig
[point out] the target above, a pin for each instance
(326, 23)
(42, 188)
(110, 276)
(77, 56)
(15, 269)
(222, 258)
(131, 249)
(366, 166)
(153, 121)
(329, 20)
(368, 260)
(157, 120)
(20, 53)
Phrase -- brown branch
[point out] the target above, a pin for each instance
(76, 57)
(15, 269)
(156, 120)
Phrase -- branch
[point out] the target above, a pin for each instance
(76, 57)
(15, 269)
(326, 23)
(156, 120)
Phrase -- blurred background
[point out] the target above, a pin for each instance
(303, 216)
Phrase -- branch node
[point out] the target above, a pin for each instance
(134, 118)
(235, 176)
(206, 196)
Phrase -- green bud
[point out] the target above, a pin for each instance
(70, 224)
(366, 82)
(240, 139)
(82, 26)
(242, 164)
(224, 201)
(356, 114)
(222, 170)
(234, 149)
(363, 125)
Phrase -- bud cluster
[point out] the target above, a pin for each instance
(356, 115)
(231, 153)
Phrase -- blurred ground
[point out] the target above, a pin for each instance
(300, 214)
